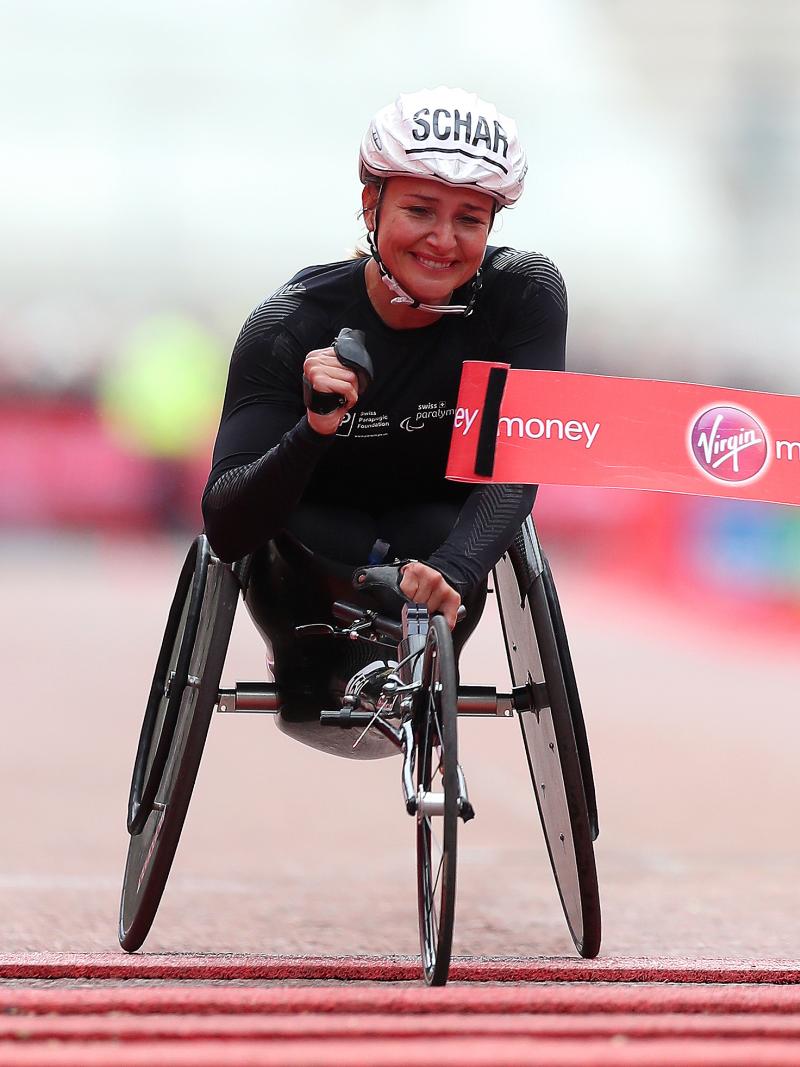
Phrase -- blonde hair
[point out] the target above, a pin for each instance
(358, 251)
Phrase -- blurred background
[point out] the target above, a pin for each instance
(164, 167)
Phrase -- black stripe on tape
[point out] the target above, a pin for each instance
(490, 420)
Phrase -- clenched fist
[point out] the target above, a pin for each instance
(424, 585)
(327, 375)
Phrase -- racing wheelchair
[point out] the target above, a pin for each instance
(406, 701)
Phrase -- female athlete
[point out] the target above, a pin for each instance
(313, 496)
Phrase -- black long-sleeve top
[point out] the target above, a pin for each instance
(394, 444)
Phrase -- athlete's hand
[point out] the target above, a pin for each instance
(327, 375)
(426, 586)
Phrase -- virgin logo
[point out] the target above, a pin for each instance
(728, 444)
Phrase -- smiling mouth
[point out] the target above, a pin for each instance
(434, 264)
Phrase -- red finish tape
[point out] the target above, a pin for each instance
(631, 433)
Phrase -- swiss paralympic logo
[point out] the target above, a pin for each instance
(729, 444)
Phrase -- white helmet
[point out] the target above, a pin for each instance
(450, 136)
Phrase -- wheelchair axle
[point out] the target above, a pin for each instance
(476, 700)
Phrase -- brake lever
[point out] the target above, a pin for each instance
(315, 629)
(324, 629)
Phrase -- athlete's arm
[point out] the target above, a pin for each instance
(266, 448)
(527, 304)
(530, 299)
(486, 526)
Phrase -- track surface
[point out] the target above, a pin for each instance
(624, 1013)
(286, 851)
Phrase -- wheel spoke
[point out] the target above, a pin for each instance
(426, 755)
(430, 916)
(430, 891)
(438, 727)
(431, 837)
(438, 873)
(439, 846)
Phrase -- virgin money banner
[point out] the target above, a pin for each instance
(626, 433)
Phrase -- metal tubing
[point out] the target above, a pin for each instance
(430, 803)
(409, 759)
(483, 700)
(263, 697)
(463, 797)
(250, 696)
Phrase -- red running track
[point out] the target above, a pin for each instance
(389, 968)
(609, 1013)
(698, 855)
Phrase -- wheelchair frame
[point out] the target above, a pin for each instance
(186, 691)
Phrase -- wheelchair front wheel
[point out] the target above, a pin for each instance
(152, 850)
(437, 802)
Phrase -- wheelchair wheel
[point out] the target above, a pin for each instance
(152, 849)
(536, 661)
(169, 681)
(573, 697)
(437, 795)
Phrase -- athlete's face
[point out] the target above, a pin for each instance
(431, 237)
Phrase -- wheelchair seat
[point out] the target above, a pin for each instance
(289, 586)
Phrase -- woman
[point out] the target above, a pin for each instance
(312, 495)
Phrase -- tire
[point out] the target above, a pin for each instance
(169, 681)
(437, 772)
(573, 698)
(535, 661)
(152, 850)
